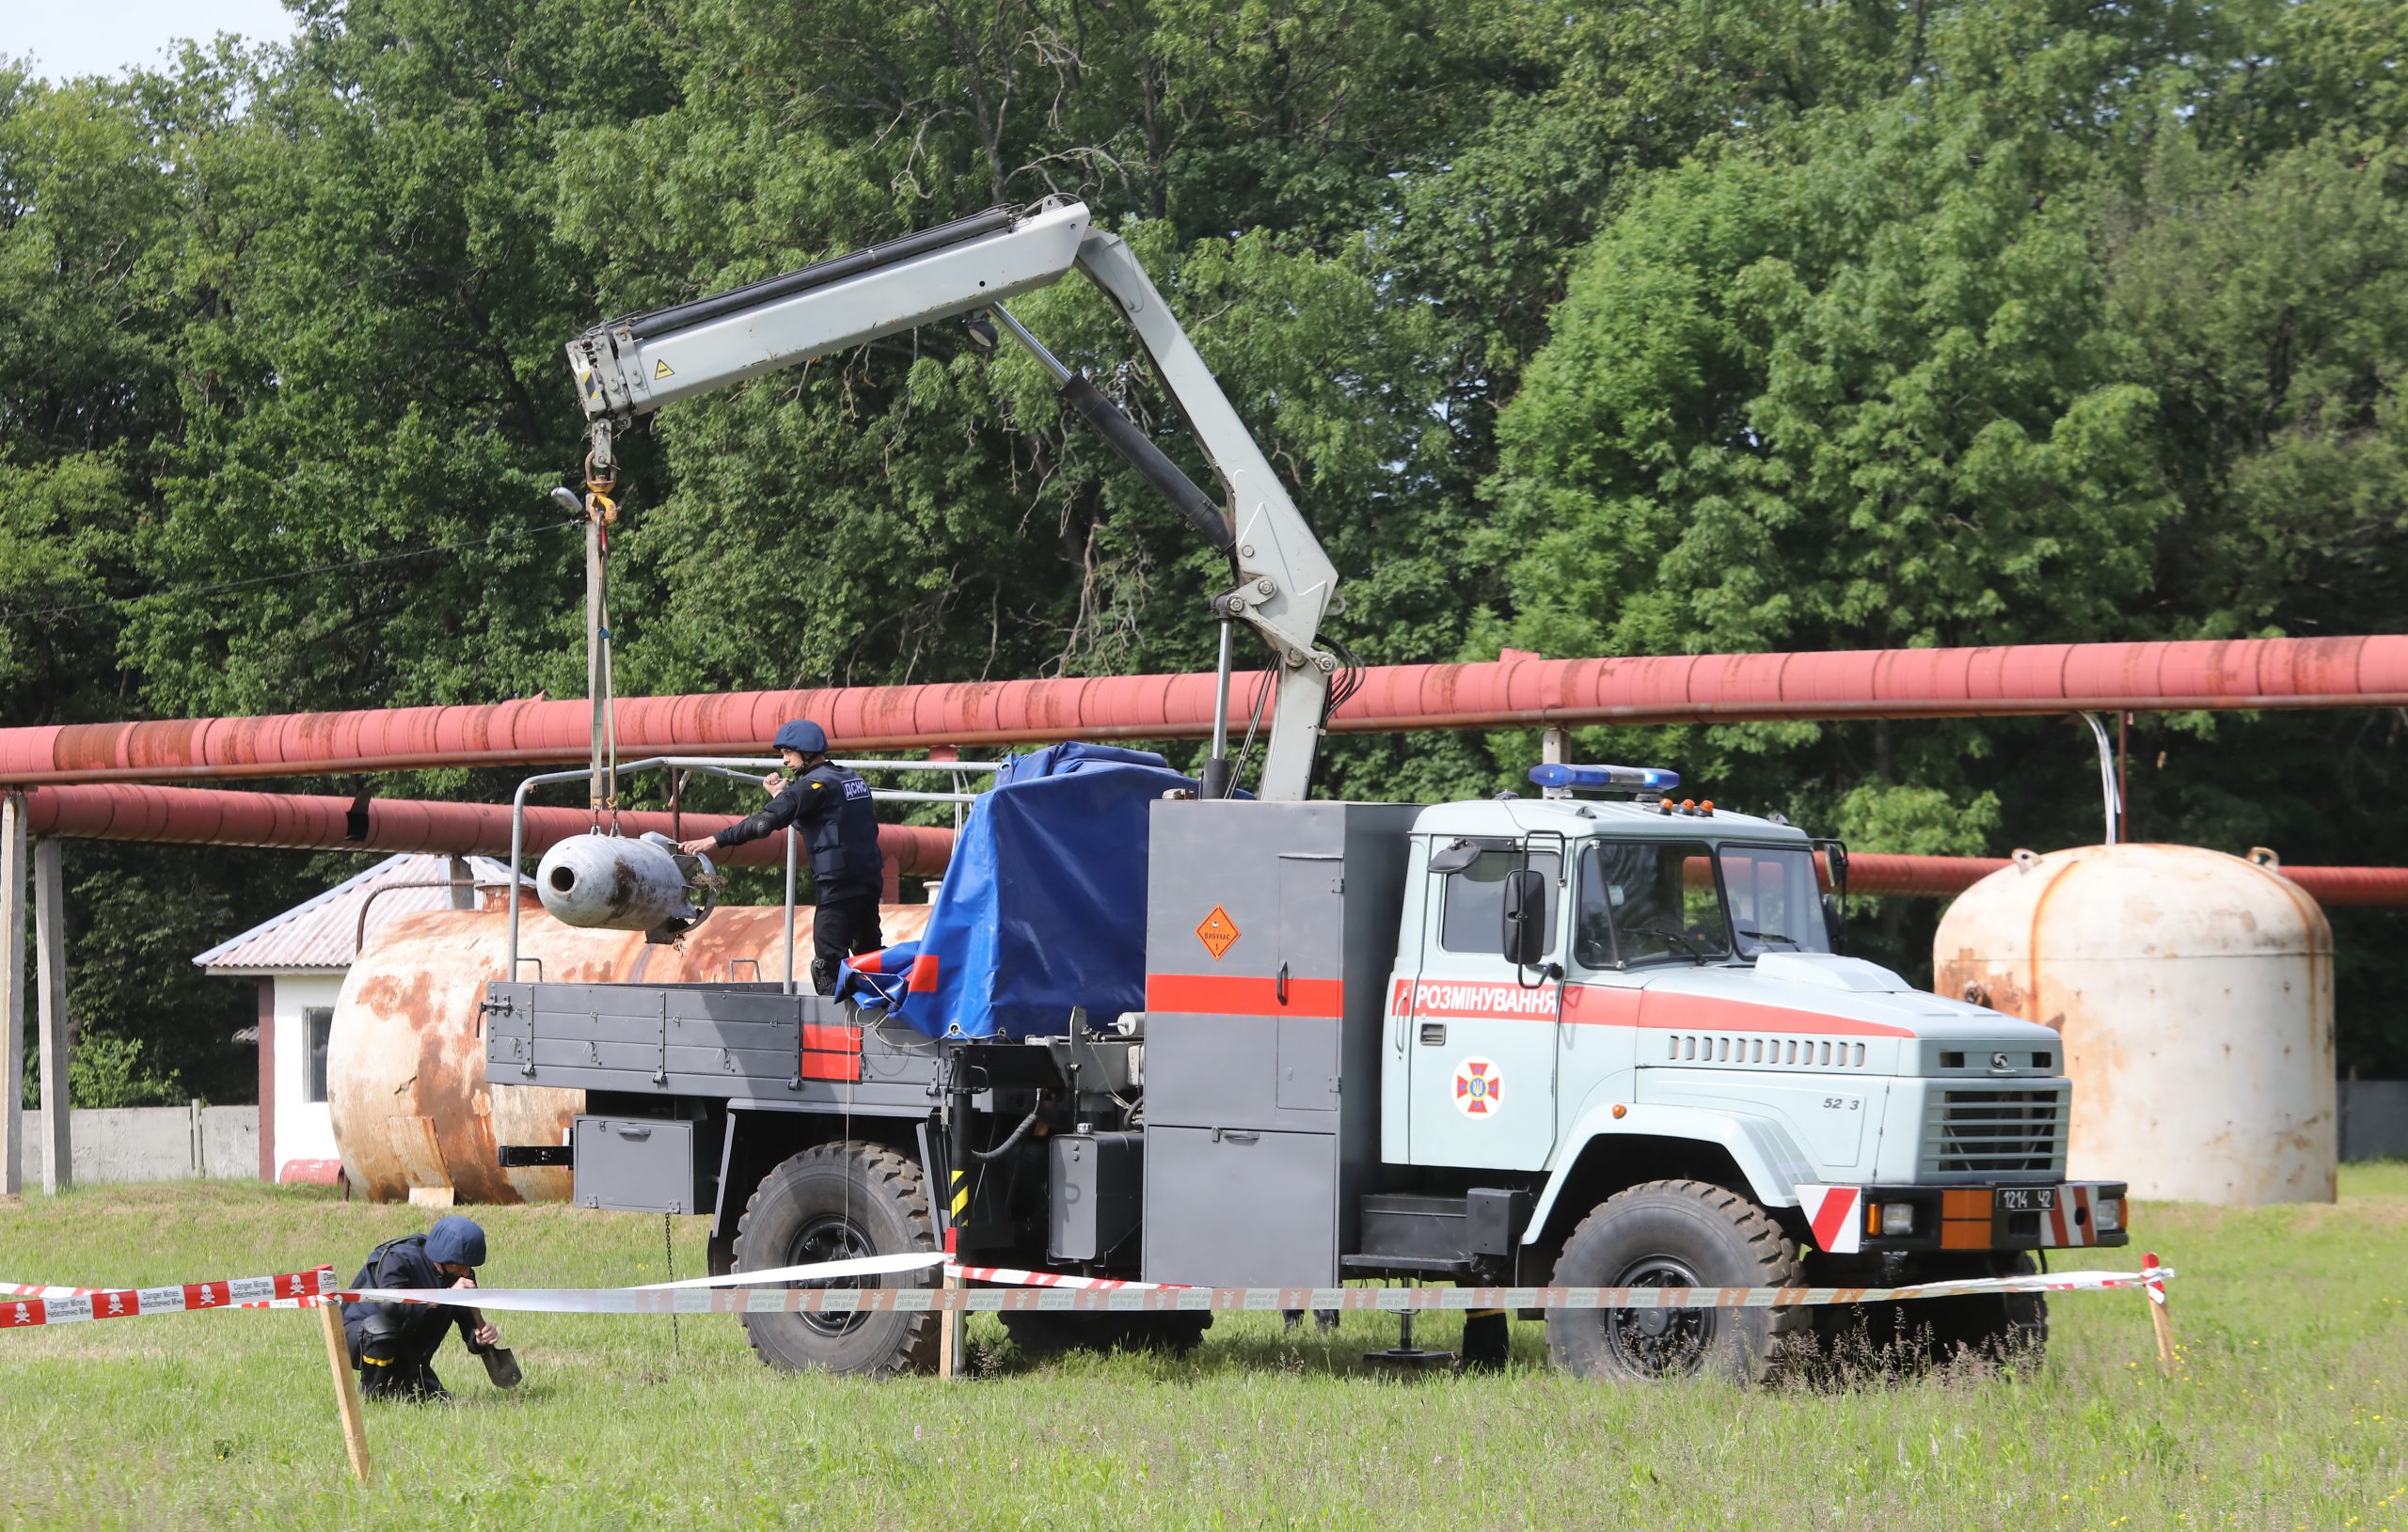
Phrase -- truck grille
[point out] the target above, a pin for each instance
(1988, 1132)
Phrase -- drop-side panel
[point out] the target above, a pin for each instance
(1231, 1208)
(721, 1042)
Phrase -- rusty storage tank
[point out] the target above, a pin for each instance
(2195, 994)
(405, 1073)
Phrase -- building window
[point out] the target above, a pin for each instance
(316, 1022)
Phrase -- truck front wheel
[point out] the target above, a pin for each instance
(837, 1202)
(1674, 1234)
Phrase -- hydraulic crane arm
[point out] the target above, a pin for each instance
(1284, 582)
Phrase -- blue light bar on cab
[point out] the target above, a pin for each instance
(1606, 778)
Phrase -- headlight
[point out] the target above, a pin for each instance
(1893, 1218)
(2107, 1214)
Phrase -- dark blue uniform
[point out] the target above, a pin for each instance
(393, 1345)
(830, 807)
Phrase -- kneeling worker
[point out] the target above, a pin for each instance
(392, 1344)
(830, 807)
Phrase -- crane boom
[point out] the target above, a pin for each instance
(1285, 583)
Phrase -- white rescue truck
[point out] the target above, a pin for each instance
(1595, 1040)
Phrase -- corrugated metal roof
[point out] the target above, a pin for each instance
(318, 936)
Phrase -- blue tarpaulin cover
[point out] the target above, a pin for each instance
(1042, 907)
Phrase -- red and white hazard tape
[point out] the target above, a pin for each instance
(72, 1305)
(1016, 1291)
(1057, 1297)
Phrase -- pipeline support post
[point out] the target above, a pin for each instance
(13, 852)
(1555, 748)
(2111, 797)
(50, 979)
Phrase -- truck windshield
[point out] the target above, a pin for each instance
(1776, 904)
(1648, 902)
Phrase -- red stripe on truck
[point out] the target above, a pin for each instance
(1612, 1005)
(1223, 994)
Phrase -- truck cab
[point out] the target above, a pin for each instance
(1697, 991)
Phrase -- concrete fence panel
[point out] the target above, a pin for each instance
(2374, 1119)
(116, 1145)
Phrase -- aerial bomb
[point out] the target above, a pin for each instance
(612, 882)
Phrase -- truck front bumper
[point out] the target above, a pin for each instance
(1870, 1220)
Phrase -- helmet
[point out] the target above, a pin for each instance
(801, 734)
(455, 1241)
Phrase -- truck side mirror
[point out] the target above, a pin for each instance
(1525, 932)
(1835, 923)
(1454, 857)
(1834, 854)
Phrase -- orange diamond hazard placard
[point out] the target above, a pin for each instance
(1217, 932)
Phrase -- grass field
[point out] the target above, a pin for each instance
(2287, 1411)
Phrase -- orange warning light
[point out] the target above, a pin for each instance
(1218, 933)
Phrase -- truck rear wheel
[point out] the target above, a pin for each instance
(836, 1202)
(1674, 1234)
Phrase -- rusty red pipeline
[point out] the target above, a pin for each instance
(307, 822)
(1935, 877)
(297, 821)
(2022, 679)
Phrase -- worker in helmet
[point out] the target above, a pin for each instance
(393, 1345)
(830, 807)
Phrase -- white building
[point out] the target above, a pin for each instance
(300, 958)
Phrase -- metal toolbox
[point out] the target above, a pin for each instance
(635, 1164)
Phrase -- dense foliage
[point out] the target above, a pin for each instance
(1611, 328)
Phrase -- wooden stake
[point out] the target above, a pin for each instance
(355, 1429)
(948, 1332)
(2161, 1320)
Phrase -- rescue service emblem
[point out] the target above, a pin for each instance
(1218, 932)
(1476, 1088)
